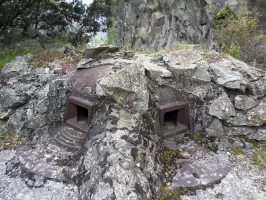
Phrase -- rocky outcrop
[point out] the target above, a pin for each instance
(31, 99)
(117, 158)
(162, 24)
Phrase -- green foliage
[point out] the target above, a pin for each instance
(55, 17)
(255, 143)
(259, 157)
(237, 150)
(238, 36)
(10, 54)
(232, 49)
(167, 194)
(224, 14)
(112, 32)
(182, 46)
(167, 157)
(38, 55)
(198, 137)
(9, 141)
(155, 9)
(2, 137)
(262, 153)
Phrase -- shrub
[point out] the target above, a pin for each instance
(238, 35)
(112, 32)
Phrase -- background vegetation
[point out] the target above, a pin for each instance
(238, 35)
(71, 18)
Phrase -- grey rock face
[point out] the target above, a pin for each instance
(225, 76)
(254, 117)
(222, 107)
(235, 131)
(260, 135)
(202, 172)
(128, 87)
(119, 161)
(158, 73)
(30, 99)
(162, 24)
(190, 72)
(243, 102)
(18, 189)
(215, 129)
(258, 88)
(18, 66)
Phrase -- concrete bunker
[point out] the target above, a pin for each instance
(173, 113)
(81, 99)
(79, 113)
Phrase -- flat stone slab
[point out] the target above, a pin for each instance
(15, 188)
(203, 172)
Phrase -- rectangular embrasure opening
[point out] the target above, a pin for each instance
(82, 115)
(170, 120)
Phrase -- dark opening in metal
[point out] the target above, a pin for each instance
(170, 119)
(174, 118)
(82, 117)
(79, 113)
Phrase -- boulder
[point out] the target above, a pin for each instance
(226, 77)
(99, 52)
(260, 135)
(253, 117)
(119, 161)
(243, 102)
(258, 88)
(18, 66)
(190, 72)
(237, 131)
(249, 73)
(158, 73)
(128, 87)
(10, 98)
(216, 129)
(222, 107)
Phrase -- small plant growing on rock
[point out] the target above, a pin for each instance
(167, 157)
(11, 141)
(167, 194)
(259, 157)
(2, 137)
(169, 167)
(198, 137)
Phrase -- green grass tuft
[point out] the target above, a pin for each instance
(10, 54)
(198, 137)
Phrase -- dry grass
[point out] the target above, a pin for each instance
(10, 141)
